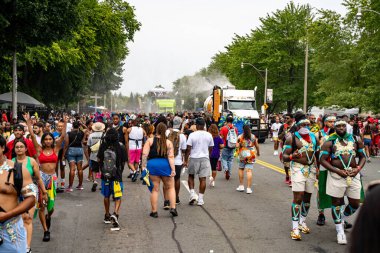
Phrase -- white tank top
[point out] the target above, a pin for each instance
(136, 137)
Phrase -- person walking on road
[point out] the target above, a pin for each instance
(93, 144)
(112, 158)
(34, 170)
(299, 150)
(15, 182)
(48, 159)
(158, 158)
(248, 150)
(283, 133)
(342, 177)
(215, 153)
(199, 148)
(274, 129)
(73, 145)
(136, 136)
(178, 140)
(229, 135)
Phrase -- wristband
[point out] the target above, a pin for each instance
(291, 157)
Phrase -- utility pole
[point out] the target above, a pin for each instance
(305, 81)
(96, 100)
(14, 86)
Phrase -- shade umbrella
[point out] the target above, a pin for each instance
(22, 99)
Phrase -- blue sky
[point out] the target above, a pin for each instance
(179, 37)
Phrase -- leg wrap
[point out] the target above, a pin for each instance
(336, 214)
(295, 211)
(305, 209)
(349, 210)
(320, 211)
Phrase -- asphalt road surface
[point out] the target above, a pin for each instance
(230, 221)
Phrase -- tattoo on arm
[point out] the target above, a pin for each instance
(144, 160)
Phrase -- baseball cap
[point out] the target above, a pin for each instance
(177, 121)
(18, 127)
(200, 122)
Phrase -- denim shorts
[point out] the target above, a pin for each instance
(243, 165)
(75, 154)
(107, 188)
(367, 142)
(13, 234)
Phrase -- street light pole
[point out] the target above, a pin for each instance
(305, 81)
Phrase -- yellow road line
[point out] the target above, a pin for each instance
(271, 166)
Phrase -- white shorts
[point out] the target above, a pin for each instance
(303, 177)
(337, 187)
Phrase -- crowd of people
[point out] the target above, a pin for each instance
(158, 148)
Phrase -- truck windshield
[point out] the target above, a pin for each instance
(241, 105)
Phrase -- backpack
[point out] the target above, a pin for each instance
(231, 137)
(109, 167)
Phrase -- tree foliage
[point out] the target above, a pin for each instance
(86, 58)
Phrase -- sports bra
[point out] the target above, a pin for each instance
(53, 158)
(28, 165)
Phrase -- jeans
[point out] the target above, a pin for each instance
(227, 158)
(13, 234)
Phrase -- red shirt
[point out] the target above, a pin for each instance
(224, 132)
(31, 151)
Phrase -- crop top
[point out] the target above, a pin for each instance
(53, 158)
(153, 150)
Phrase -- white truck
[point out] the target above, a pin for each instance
(239, 103)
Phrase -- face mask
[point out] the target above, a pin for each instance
(304, 131)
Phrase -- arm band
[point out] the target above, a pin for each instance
(286, 147)
(29, 190)
(323, 152)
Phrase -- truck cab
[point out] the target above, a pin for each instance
(239, 103)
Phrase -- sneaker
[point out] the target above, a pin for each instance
(177, 201)
(107, 219)
(290, 183)
(321, 219)
(166, 204)
(130, 175)
(94, 185)
(304, 229)
(249, 190)
(213, 183)
(275, 153)
(240, 188)
(115, 222)
(347, 225)
(135, 176)
(153, 214)
(341, 238)
(211, 180)
(193, 198)
(295, 234)
(287, 181)
(79, 187)
(69, 189)
(227, 174)
(29, 250)
(200, 202)
(173, 212)
(46, 237)
(60, 189)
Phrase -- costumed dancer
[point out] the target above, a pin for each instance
(299, 150)
(342, 177)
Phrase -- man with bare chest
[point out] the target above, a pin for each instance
(338, 154)
(299, 150)
(15, 182)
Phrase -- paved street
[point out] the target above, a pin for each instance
(229, 221)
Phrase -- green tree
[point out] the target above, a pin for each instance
(278, 44)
